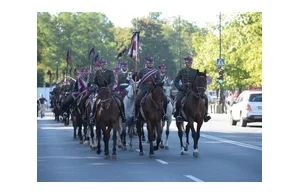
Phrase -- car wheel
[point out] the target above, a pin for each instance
(233, 122)
(243, 122)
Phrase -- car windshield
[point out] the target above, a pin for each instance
(255, 98)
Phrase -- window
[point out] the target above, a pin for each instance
(255, 98)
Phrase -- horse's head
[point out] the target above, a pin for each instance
(167, 90)
(130, 91)
(105, 96)
(200, 83)
(157, 94)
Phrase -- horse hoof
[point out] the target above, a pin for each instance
(141, 153)
(196, 154)
(162, 146)
(114, 156)
(186, 148)
(155, 148)
(166, 147)
(98, 152)
(152, 156)
(182, 153)
(86, 142)
(143, 139)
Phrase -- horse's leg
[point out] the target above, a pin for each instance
(159, 134)
(80, 133)
(187, 134)
(139, 127)
(167, 132)
(106, 132)
(180, 133)
(196, 139)
(122, 132)
(162, 146)
(98, 133)
(114, 153)
(150, 138)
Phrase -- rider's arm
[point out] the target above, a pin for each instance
(177, 79)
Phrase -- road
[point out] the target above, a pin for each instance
(227, 154)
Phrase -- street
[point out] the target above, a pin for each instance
(226, 154)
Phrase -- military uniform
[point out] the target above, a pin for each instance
(186, 76)
(102, 76)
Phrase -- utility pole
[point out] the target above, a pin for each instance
(221, 71)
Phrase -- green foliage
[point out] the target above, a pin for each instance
(40, 77)
(168, 40)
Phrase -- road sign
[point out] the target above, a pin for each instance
(220, 62)
(209, 79)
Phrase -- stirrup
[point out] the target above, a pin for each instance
(165, 118)
(178, 119)
(92, 121)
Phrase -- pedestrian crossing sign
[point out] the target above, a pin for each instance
(220, 62)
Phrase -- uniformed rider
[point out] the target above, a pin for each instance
(186, 77)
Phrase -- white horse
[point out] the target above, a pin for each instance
(167, 92)
(129, 113)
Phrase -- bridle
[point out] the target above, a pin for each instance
(106, 100)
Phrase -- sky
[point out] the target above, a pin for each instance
(125, 21)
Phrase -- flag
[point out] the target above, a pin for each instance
(135, 44)
(92, 50)
(95, 58)
(121, 53)
(68, 58)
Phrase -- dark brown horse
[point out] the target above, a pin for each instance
(193, 110)
(151, 112)
(107, 118)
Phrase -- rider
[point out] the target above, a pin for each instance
(145, 75)
(186, 76)
(107, 75)
(165, 78)
(80, 88)
(123, 77)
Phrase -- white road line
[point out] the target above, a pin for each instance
(161, 161)
(193, 178)
(232, 142)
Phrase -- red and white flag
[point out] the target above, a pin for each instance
(135, 44)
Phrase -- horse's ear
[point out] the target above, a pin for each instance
(205, 71)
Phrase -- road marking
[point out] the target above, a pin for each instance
(232, 142)
(193, 178)
(161, 161)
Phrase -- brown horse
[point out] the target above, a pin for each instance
(151, 112)
(107, 118)
(193, 110)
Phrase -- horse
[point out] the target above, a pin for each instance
(167, 92)
(78, 120)
(193, 110)
(151, 112)
(129, 114)
(107, 118)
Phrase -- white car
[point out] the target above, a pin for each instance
(247, 108)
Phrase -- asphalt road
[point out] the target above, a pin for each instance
(227, 154)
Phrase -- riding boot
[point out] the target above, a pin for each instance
(165, 117)
(92, 114)
(123, 112)
(206, 116)
(137, 112)
(177, 112)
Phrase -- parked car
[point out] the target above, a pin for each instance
(247, 108)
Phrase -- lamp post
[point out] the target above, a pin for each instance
(221, 71)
